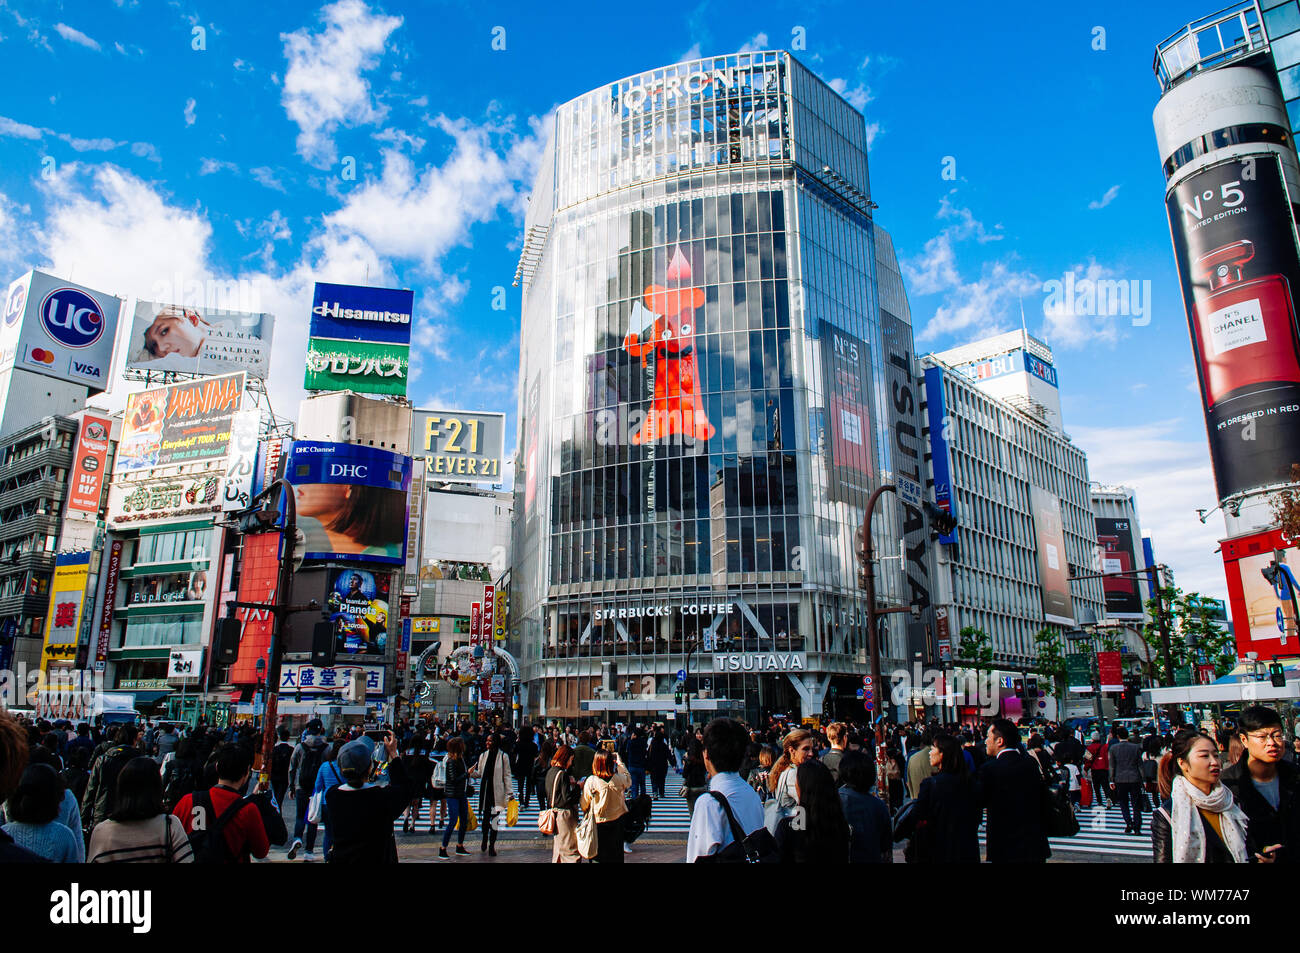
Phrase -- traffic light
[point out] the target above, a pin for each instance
(322, 644)
(257, 521)
(1018, 687)
(941, 522)
(1277, 674)
(1031, 689)
(677, 694)
(229, 631)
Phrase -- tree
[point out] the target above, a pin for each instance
(974, 648)
(1196, 632)
(1286, 506)
(1051, 660)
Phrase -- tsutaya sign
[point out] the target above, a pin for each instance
(760, 662)
(643, 612)
(637, 93)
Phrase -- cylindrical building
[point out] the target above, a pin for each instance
(704, 405)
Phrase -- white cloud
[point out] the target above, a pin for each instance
(1173, 478)
(858, 96)
(190, 105)
(145, 150)
(1105, 199)
(873, 129)
(323, 85)
(20, 130)
(692, 54)
(266, 177)
(935, 269)
(73, 35)
(210, 166)
(754, 44)
(102, 144)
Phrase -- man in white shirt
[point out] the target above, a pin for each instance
(725, 740)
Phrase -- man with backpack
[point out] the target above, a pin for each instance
(281, 756)
(100, 798)
(304, 764)
(223, 826)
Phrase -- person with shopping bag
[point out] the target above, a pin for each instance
(495, 791)
(456, 795)
(563, 796)
(600, 835)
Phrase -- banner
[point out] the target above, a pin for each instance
(941, 465)
(1119, 554)
(848, 436)
(315, 680)
(499, 616)
(259, 581)
(360, 339)
(1078, 673)
(167, 337)
(459, 446)
(351, 501)
(188, 422)
(86, 482)
(1110, 674)
(486, 625)
(1235, 246)
(67, 599)
(358, 607)
(59, 329)
(1255, 605)
(112, 573)
(1053, 569)
(241, 461)
(476, 623)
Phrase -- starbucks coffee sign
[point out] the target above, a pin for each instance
(724, 662)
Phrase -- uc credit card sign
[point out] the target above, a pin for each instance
(60, 329)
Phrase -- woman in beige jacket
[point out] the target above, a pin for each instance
(604, 795)
(495, 790)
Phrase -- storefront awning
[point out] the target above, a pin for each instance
(1229, 692)
(149, 696)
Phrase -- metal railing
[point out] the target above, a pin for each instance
(1230, 33)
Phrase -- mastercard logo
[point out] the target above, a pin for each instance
(42, 355)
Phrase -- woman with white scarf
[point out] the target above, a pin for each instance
(1200, 823)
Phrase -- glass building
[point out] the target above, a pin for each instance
(704, 400)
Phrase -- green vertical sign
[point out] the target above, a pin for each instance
(1078, 672)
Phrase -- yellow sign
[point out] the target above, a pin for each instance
(499, 617)
(425, 625)
(67, 599)
(459, 446)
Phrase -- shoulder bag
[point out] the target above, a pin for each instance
(756, 848)
(587, 845)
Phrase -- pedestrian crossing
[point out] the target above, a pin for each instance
(669, 815)
(1101, 831)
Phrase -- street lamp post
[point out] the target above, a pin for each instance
(869, 584)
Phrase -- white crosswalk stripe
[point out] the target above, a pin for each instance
(669, 815)
(1101, 831)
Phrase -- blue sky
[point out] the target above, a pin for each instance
(149, 144)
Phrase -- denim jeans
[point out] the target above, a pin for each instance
(638, 782)
(457, 817)
(300, 821)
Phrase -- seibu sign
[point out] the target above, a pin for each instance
(760, 662)
(645, 612)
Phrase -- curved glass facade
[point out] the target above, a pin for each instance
(702, 402)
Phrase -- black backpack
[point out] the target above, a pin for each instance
(209, 841)
(180, 782)
(756, 848)
(311, 759)
(281, 755)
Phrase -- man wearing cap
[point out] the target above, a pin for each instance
(362, 813)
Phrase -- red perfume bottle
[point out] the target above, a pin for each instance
(1115, 559)
(1246, 328)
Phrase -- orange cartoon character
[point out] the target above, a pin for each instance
(677, 407)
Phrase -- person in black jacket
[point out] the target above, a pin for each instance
(1011, 790)
(871, 839)
(947, 811)
(658, 757)
(362, 814)
(815, 832)
(1266, 787)
(525, 756)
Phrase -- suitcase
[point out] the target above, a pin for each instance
(1085, 792)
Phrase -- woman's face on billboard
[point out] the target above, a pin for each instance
(320, 500)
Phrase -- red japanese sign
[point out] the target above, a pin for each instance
(1110, 672)
(110, 597)
(86, 481)
(259, 577)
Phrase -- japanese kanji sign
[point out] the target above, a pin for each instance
(67, 595)
(360, 339)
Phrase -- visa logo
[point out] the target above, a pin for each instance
(87, 370)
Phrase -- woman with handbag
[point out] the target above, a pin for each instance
(496, 790)
(797, 747)
(545, 753)
(455, 797)
(563, 795)
(604, 800)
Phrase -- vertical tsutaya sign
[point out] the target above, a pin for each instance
(937, 418)
(67, 597)
(1053, 567)
(112, 573)
(1235, 246)
(1118, 554)
(848, 437)
(89, 459)
(360, 339)
(459, 446)
(59, 329)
